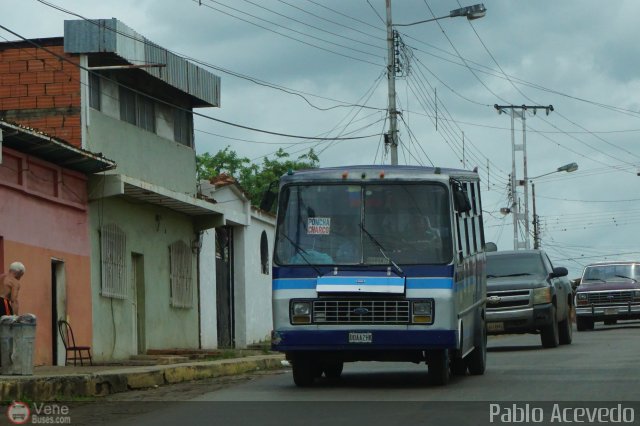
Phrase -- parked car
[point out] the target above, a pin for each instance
(527, 294)
(608, 291)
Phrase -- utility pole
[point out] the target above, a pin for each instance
(536, 225)
(392, 137)
(520, 219)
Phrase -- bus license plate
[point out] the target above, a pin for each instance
(495, 326)
(360, 337)
(611, 311)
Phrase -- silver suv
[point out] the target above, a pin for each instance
(526, 294)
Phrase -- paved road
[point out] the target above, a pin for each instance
(602, 365)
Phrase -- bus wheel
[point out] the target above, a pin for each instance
(458, 367)
(477, 359)
(303, 372)
(333, 370)
(438, 362)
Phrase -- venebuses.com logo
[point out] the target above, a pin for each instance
(18, 413)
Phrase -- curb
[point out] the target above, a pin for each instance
(87, 385)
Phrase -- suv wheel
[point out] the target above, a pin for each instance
(565, 328)
(583, 323)
(549, 335)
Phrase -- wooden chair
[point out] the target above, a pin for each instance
(80, 353)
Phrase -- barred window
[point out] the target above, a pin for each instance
(113, 248)
(181, 288)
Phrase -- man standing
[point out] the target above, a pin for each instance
(9, 289)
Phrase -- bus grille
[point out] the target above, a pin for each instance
(608, 297)
(361, 311)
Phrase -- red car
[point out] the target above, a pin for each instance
(608, 291)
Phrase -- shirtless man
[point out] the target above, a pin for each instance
(9, 289)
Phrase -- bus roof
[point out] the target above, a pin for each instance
(379, 172)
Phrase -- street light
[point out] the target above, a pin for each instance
(470, 12)
(571, 167)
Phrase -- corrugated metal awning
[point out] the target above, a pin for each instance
(206, 214)
(39, 145)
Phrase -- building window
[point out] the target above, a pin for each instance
(181, 288)
(183, 127)
(137, 110)
(94, 91)
(113, 247)
(264, 253)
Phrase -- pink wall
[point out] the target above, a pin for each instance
(38, 223)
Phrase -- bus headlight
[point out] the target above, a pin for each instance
(301, 313)
(422, 312)
(582, 299)
(541, 295)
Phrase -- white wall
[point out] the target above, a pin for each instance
(208, 320)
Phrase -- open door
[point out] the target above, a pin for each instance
(224, 287)
(58, 309)
(139, 314)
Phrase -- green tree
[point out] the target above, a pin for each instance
(253, 178)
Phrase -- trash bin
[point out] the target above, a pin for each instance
(17, 338)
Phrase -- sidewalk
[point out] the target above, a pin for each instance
(75, 382)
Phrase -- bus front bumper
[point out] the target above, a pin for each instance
(354, 340)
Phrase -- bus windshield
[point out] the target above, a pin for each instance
(368, 224)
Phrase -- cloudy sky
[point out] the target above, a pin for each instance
(317, 68)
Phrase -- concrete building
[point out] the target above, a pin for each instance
(235, 270)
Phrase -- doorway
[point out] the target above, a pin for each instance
(137, 274)
(58, 309)
(224, 287)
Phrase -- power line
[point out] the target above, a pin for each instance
(199, 2)
(33, 43)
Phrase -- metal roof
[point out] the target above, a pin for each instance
(360, 173)
(114, 37)
(39, 145)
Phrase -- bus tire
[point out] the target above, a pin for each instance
(477, 359)
(303, 372)
(333, 370)
(459, 367)
(438, 367)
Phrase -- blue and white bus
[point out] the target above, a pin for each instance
(380, 263)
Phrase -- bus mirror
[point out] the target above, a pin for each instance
(268, 197)
(490, 247)
(463, 205)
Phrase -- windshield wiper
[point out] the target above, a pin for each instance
(629, 278)
(395, 265)
(519, 274)
(300, 250)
